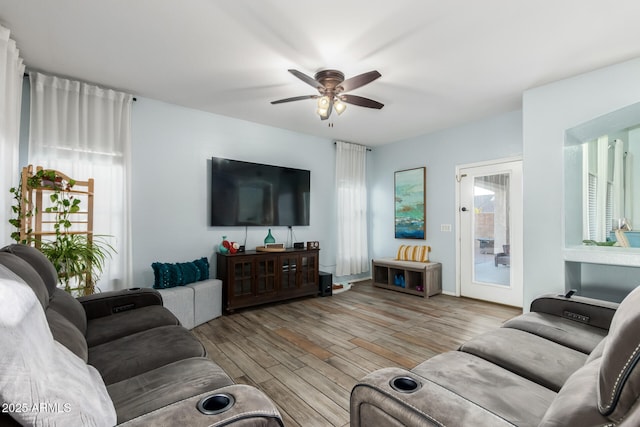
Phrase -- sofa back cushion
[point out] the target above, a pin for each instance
(597, 351)
(38, 261)
(575, 404)
(67, 334)
(35, 370)
(70, 308)
(13, 266)
(619, 376)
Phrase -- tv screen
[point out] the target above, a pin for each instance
(254, 194)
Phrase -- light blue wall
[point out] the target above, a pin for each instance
(169, 176)
(548, 111)
(170, 183)
(170, 173)
(488, 139)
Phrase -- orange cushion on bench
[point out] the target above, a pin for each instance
(418, 253)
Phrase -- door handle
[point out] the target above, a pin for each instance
(463, 209)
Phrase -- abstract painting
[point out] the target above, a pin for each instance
(409, 186)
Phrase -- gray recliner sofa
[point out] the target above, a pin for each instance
(570, 361)
(106, 359)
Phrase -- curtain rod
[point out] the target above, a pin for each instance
(27, 75)
(368, 149)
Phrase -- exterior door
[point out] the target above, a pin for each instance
(490, 232)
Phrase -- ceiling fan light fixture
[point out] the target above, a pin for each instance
(323, 102)
(323, 113)
(339, 106)
(324, 107)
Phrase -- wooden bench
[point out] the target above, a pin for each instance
(412, 277)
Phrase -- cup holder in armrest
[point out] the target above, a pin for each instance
(215, 404)
(133, 289)
(404, 384)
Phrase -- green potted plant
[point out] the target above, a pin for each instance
(78, 257)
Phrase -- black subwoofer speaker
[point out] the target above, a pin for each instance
(326, 284)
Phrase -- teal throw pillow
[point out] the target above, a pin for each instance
(203, 267)
(190, 273)
(161, 278)
(175, 274)
(166, 275)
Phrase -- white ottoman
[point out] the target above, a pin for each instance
(207, 300)
(179, 301)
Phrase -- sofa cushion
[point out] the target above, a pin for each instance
(109, 328)
(633, 417)
(36, 370)
(66, 334)
(597, 352)
(619, 376)
(569, 333)
(530, 356)
(62, 302)
(15, 268)
(36, 259)
(160, 387)
(576, 403)
(510, 396)
(144, 351)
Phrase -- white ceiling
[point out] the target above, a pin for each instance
(442, 62)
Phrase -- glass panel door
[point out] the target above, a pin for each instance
(492, 250)
(490, 232)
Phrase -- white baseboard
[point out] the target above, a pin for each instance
(363, 279)
(345, 287)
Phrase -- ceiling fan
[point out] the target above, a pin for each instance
(331, 86)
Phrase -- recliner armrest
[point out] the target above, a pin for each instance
(251, 408)
(375, 402)
(108, 303)
(590, 311)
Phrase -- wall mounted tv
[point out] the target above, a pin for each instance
(254, 194)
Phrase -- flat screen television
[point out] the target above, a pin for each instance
(254, 194)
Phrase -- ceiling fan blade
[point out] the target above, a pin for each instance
(308, 80)
(359, 80)
(295, 98)
(360, 101)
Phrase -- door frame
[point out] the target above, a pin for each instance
(458, 236)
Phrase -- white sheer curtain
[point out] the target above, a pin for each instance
(11, 72)
(628, 187)
(351, 190)
(602, 189)
(618, 180)
(85, 132)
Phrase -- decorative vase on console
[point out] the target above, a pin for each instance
(222, 247)
(269, 238)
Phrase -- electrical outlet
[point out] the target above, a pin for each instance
(445, 227)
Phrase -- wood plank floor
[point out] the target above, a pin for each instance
(307, 354)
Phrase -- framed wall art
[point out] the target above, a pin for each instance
(410, 195)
